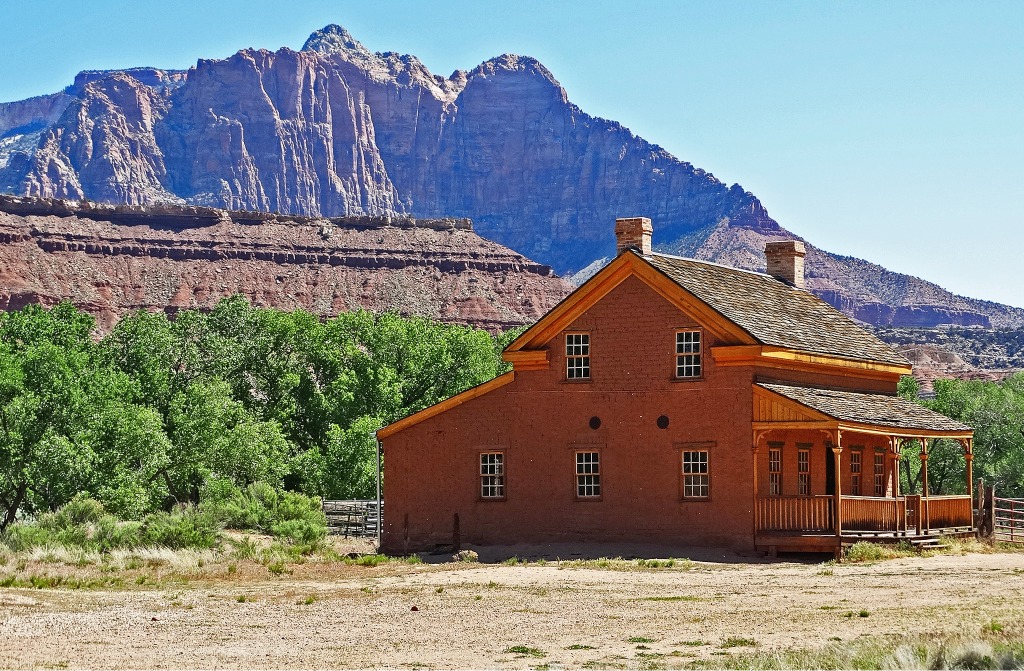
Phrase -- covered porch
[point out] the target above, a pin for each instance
(827, 470)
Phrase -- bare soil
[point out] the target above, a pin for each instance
(463, 615)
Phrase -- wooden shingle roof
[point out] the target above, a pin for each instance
(773, 312)
(861, 408)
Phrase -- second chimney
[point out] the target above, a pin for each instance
(633, 233)
(786, 261)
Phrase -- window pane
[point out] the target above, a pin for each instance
(492, 475)
(688, 355)
(577, 356)
(695, 474)
(588, 474)
(775, 472)
(803, 467)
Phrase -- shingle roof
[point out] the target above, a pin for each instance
(879, 409)
(773, 312)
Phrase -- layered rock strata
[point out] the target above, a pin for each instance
(111, 260)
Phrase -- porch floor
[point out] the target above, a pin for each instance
(823, 541)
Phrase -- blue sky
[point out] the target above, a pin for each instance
(888, 131)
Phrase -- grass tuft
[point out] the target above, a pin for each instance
(525, 651)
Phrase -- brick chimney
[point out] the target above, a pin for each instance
(633, 233)
(786, 261)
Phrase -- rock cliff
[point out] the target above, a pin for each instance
(336, 130)
(109, 260)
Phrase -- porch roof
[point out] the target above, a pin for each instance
(862, 408)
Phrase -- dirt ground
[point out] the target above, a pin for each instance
(461, 615)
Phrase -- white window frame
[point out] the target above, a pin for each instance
(577, 356)
(588, 474)
(492, 475)
(689, 354)
(696, 472)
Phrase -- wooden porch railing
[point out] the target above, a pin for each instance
(948, 511)
(913, 514)
(873, 513)
(794, 513)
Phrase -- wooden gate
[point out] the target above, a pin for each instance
(1008, 519)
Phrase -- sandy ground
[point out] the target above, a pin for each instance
(469, 615)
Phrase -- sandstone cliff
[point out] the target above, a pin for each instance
(336, 130)
(111, 260)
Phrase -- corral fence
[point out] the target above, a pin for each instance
(1008, 519)
(352, 518)
(1001, 518)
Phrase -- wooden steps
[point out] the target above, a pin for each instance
(926, 543)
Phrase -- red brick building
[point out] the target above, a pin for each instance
(677, 402)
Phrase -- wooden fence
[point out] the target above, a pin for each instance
(1008, 519)
(352, 518)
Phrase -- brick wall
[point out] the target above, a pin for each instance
(541, 419)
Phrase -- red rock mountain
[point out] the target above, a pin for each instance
(335, 130)
(109, 260)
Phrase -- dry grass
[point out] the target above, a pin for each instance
(955, 652)
(637, 614)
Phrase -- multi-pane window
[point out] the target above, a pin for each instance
(855, 472)
(588, 474)
(577, 356)
(803, 472)
(879, 474)
(492, 475)
(775, 471)
(695, 474)
(688, 354)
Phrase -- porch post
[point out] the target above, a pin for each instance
(900, 510)
(837, 449)
(757, 442)
(924, 515)
(969, 457)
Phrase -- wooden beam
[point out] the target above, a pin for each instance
(792, 359)
(528, 359)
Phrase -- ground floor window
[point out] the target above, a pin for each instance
(855, 456)
(775, 471)
(588, 475)
(492, 475)
(879, 474)
(803, 471)
(695, 474)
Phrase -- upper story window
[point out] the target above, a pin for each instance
(577, 356)
(492, 475)
(688, 354)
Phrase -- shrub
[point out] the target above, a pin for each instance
(183, 528)
(864, 551)
(301, 531)
(260, 507)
